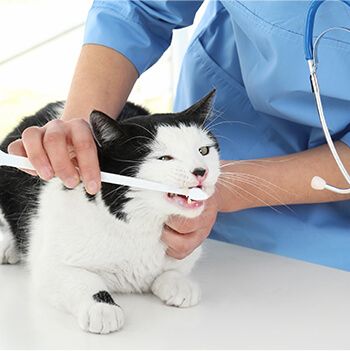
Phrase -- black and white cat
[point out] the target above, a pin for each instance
(80, 248)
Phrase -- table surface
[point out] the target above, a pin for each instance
(250, 300)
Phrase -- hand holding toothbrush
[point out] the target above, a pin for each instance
(57, 148)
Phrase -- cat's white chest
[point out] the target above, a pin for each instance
(127, 255)
(133, 260)
(135, 273)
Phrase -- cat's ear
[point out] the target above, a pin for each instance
(104, 128)
(202, 109)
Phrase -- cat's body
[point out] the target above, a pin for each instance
(81, 247)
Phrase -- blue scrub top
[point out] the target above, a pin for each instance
(252, 52)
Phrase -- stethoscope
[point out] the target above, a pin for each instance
(310, 49)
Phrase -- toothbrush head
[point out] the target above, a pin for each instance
(197, 194)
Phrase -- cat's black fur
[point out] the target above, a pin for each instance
(20, 191)
(104, 297)
(133, 132)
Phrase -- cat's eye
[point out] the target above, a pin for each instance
(204, 150)
(165, 158)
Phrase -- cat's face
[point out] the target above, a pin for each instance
(172, 149)
(184, 156)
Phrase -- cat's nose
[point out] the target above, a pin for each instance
(200, 173)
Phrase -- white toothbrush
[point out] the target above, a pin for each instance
(193, 193)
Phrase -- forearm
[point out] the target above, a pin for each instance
(281, 180)
(102, 80)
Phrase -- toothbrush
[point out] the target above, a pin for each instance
(196, 194)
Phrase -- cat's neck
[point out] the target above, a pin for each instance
(147, 218)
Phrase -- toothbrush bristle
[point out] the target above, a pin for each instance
(197, 194)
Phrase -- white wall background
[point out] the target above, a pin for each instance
(42, 74)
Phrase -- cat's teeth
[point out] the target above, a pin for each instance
(189, 201)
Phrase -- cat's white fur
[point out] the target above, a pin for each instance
(79, 248)
(8, 253)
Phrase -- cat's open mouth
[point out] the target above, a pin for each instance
(184, 201)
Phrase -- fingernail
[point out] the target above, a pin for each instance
(46, 173)
(92, 187)
(71, 182)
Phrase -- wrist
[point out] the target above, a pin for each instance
(228, 199)
(235, 190)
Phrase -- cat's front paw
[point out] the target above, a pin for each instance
(101, 318)
(176, 290)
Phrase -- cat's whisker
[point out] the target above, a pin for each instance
(135, 138)
(145, 148)
(255, 185)
(126, 170)
(120, 189)
(218, 136)
(250, 194)
(213, 115)
(231, 190)
(259, 186)
(252, 176)
(257, 161)
(124, 160)
(154, 137)
(244, 162)
(231, 122)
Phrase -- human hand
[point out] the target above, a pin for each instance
(184, 235)
(65, 149)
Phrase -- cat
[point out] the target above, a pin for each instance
(82, 248)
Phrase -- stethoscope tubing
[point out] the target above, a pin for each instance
(311, 56)
(309, 27)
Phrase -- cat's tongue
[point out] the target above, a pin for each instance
(184, 201)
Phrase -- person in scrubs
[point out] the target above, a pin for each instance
(266, 120)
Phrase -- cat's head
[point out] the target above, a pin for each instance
(173, 148)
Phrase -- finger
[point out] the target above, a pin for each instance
(179, 245)
(183, 225)
(32, 143)
(174, 254)
(205, 220)
(55, 144)
(86, 154)
(17, 148)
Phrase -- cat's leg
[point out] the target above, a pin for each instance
(8, 250)
(83, 294)
(175, 289)
(173, 286)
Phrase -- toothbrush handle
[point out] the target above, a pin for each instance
(140, 183)
(23, 162)
(16, 161)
